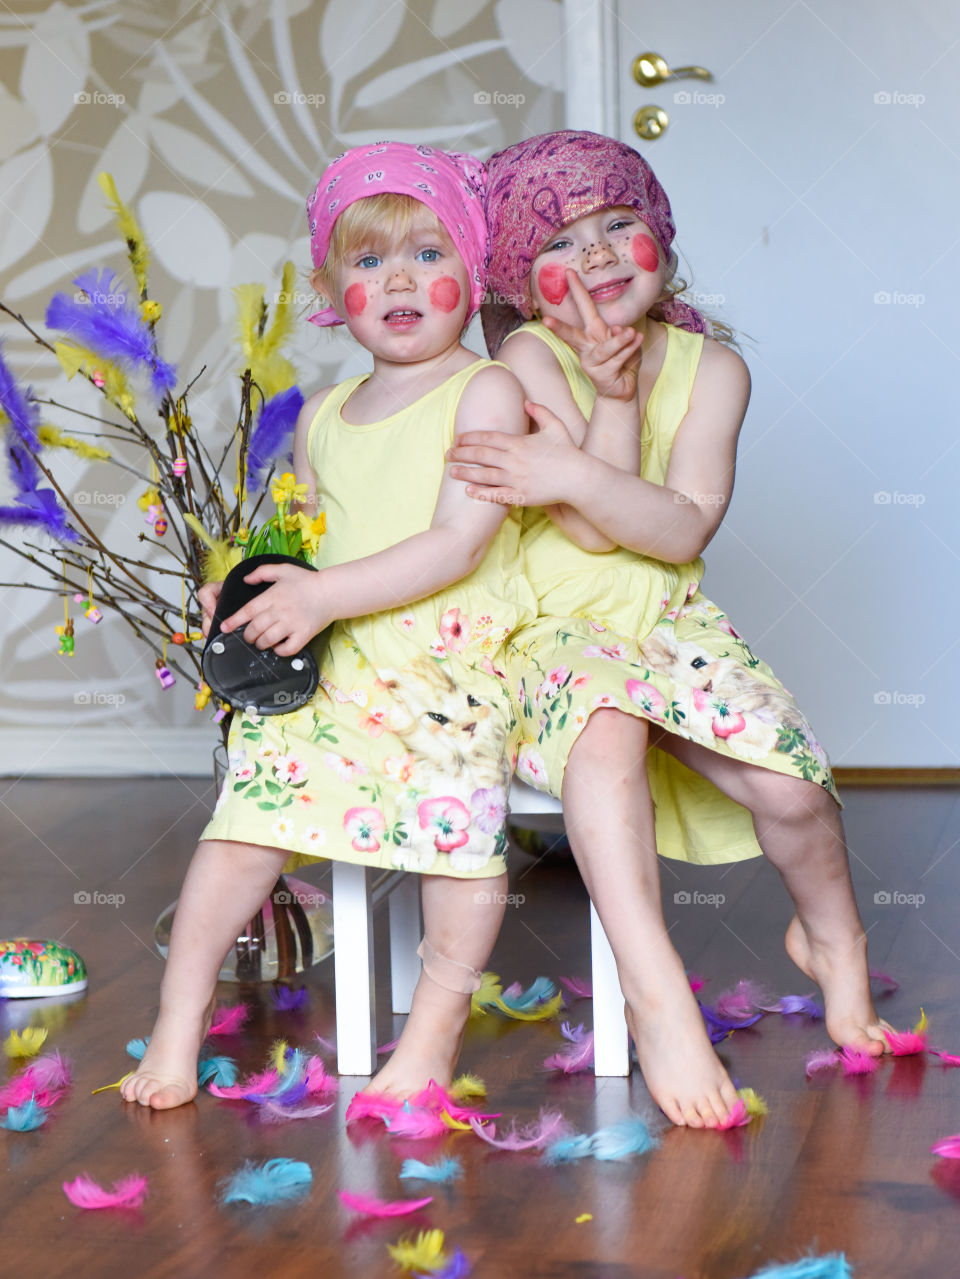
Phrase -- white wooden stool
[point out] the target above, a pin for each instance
(354, 899)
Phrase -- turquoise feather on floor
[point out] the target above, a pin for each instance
(833, 1265)
(443, 1170)
(276, 1181)
(24, 1118)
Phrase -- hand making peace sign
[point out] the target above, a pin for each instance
(610, 355)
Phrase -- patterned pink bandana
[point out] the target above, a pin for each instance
(538, 186)
(450, 183)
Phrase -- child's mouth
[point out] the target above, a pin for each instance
(608, 291)
(401, 318)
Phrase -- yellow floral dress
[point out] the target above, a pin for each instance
(618, 629)
(403, 757)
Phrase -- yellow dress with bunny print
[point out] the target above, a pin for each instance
(403, 757)
(617, 629)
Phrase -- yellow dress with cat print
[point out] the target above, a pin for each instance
(403, 757)
(617, 629)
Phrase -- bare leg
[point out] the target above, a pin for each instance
(461, 921)
(608, 817)
(225, 885)
(798, 826)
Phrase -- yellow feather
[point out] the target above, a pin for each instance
(73, 358)
(423, 1253)
(220, 557)
(457, 1124)
(921, 1025)
(25, 1043)
(54, 438)
(129, 228)
(277, 1053)
(465, 1086)
(490, 991)
(542, 1012)
(281, 326)
(754, 1103)
(249, 304)
(271, 370)
(107, 1087)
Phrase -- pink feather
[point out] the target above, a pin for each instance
(387, 1047)
(946, 1059)
(906, 1042)
(44, 1080)
(372, 1207)
(227, 1021)
(947, 1147)
(129, 1192)
(579, 1056)
(737, 1118)
(856, 1062)
(741, 1002)
(578, 987)
(884, 979)
(416, 1123)
(373, 1105)
(821, 1060)
(318, 1081)
(264, 1082)
(328, 1045)
(551, 1126)
(696, 982)
(436, 1098)
(271, 1113)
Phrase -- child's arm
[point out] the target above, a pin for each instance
(671, 522)
(543, 381)
(299, 606)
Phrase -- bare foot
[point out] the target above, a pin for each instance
(167, 1074)
(429, 1046)
(841, 973)
(684, 1075)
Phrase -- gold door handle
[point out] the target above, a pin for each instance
(650, 69)
(650, 122)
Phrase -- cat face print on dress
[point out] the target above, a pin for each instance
(617, 260)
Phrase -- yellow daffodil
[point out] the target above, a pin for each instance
(286, 489)
(310, 530)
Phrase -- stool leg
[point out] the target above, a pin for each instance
(353, 970)
(610, 1043)
(404, 907)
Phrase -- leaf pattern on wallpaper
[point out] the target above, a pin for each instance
(217, 167)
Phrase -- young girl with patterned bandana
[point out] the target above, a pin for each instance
(641, 706)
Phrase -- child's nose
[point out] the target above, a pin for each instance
(400, 279)
(599, 253)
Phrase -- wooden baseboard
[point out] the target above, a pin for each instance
(897, 776)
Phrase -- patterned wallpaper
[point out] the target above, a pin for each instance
(215, 120)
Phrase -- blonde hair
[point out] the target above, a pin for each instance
(374, 222)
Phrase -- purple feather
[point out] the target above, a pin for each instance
(795, 1004)
(104, 323)
(719, 1026)
(23, 421)
(579, 1056)
(276, 421)
(287, 1000)
(39, 509)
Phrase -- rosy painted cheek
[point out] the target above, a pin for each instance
(355, 299)
(644, 253)
(552, 283)
(445, 293)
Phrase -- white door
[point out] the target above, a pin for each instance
(815, 185)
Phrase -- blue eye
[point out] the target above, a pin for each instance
(369, 261)
(557, 244)
(428, 255)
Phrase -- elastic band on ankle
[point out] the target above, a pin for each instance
(448, 973)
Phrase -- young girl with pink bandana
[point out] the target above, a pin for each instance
(641, 705)
(403, 758)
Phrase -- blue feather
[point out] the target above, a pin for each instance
(833, 1265)
(276, 421)
(538, 992)
(442, 1170)
(287, 1000)
(24, 1118)
(221, 1071)
(104, 323)
(137, 1047)
(276, 1181)
(630, 1136)
(458, 1267)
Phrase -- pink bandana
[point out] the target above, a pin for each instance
(536, 187)
(450, 183)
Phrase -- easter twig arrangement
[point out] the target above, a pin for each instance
(203, 489)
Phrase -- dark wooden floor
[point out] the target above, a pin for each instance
(838, 1163)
